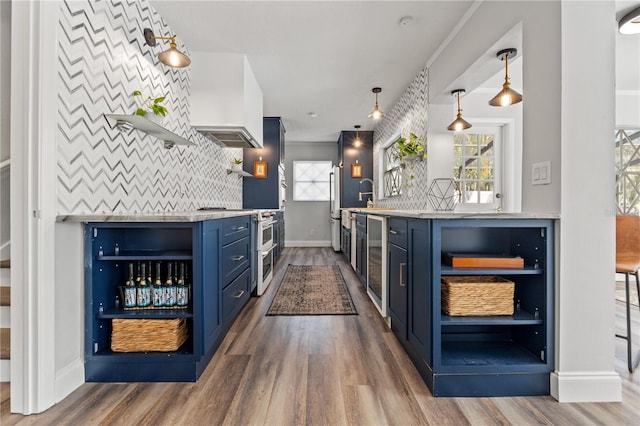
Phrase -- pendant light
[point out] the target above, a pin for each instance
(507, 95)
(630, 23)
(172, 56)
(459, 123)
(377, 113)
(357, 142)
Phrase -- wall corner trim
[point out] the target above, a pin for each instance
(586, 386)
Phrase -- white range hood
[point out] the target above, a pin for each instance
(226, 100)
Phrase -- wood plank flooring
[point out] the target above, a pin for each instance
(329, 370)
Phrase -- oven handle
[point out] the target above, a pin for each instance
(266, 224)
(266, 252)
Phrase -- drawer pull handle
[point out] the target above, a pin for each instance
(238, 258)
(402, 283)
(393, 232)
(238, 294)
(238, 228)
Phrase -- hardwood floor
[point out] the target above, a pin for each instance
(331, 370)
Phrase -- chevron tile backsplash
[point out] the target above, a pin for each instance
(408, 115)
(102, 59)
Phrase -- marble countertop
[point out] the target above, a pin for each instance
(176, 216)
(422, 214)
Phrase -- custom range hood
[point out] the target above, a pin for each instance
(226, 101)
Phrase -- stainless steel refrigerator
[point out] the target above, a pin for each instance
(334, 206)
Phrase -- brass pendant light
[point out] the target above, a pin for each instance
(377, 113)
(172, 56)
(357, 142)
(459, 123)
(507, 95)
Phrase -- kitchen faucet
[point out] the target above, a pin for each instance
(360, 193)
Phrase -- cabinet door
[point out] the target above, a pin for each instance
(210, 289)
(361, 255)
(398, 290)
(420, 301)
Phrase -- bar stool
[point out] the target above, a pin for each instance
(628, 262)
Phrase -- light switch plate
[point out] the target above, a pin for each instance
(541, 173)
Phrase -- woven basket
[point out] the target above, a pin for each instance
(476, 295)
(148, 335)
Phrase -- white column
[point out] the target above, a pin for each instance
(33, 205)
(585, 296)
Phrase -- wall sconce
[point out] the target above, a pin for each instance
(357, 142)
(507, 95)
(630, 23)
(260, 169)
(459, 123)
(377, 113)
(356, 170)
(172, 56)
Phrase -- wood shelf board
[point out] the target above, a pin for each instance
(5, 343)
(5, 296)
(149, 127)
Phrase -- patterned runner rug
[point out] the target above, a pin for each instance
(312, 290)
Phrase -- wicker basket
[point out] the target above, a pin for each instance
(476, 295)
(148, 335)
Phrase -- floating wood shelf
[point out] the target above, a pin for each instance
(125, 121)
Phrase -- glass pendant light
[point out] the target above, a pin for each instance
(459, 123)
(377, 113)
(357, 142)
(507, 96)
(172, 56)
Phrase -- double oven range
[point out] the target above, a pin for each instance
(264, 250)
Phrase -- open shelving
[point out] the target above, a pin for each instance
(126, 121)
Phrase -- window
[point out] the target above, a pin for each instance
(392, 176)
(311, 180)
(476, 166)
(628, 171)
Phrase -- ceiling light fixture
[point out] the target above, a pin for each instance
(357, 142)
(507, 96)
(172, 56)
(377, 113)
(459, 123)
(630, 23)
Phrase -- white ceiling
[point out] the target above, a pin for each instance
(325, 56)
(319, 56)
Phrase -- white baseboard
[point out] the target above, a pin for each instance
(5, 370)
(308, 243)
(69, 379)
(588, 386)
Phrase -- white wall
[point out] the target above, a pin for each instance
(628, 81)
(5, 85)
(307, 222)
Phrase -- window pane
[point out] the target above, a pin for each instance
(474, 166)
(311, 180)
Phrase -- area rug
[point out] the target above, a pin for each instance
(633, 294)
(312, 290)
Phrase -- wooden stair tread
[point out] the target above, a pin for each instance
(5, 263)
(5, 343)
(5, 296)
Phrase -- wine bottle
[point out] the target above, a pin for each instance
(130, 290)
(182, 291)
(169, 288)
(144, 291)
(158, 291)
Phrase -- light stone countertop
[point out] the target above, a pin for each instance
(422, 214)
(176, 216)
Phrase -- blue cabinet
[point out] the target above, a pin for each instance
(203, 248)
(349, 154)
(397, 280)
(503, 355)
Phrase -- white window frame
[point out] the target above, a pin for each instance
(508, 167)
(319, 182)
(382, 166)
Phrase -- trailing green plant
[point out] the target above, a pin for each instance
(414, 148)
(237, 161)
(150, 104)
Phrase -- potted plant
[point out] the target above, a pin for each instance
(151, 108)
(236, 165)
(411, 151)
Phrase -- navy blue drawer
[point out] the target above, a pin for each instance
(398, 232)
(236, 295)
(236, 257)
(234, 228)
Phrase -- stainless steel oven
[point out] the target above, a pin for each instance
(265, 246)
